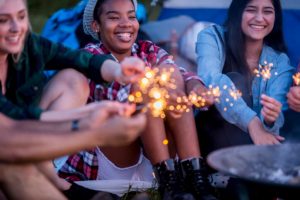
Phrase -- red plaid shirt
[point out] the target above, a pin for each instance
(84, 165)
(148, 52)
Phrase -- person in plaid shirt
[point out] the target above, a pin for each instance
(116, 24)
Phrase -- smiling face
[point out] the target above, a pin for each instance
(13, 26)
(118, 26)
(258, 19)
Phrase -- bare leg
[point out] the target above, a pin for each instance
(153, 138)
(184, 132)
(47, 169)
(26, 182)
(183, 129)
(66, 90)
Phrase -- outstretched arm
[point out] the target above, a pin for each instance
(34, 141)
(210, 62)
(130, 70)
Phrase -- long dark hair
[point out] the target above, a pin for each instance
(235, 39)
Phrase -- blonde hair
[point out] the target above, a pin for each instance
(16, 57)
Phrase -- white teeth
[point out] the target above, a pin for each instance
(124, 36)
(257, 26)
(13, 39)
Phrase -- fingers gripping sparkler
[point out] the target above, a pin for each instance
(296, 79)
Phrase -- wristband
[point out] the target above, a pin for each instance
(75, 125)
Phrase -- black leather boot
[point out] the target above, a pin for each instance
(168, 178)
(196, 179)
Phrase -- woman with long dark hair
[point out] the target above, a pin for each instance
(247, 53)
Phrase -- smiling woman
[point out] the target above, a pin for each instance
(115, 22)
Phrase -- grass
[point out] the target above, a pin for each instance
(152, 193)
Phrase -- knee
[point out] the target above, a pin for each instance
(74, 81)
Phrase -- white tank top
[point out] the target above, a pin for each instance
(141, 171)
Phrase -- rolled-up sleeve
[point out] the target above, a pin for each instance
(210, 62)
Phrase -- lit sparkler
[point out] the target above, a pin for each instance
(264, 70)
(296, 78)
(165, 141)
(153, 88)
(235, 94)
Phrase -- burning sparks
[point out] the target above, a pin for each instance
(165, 142)
(235, 94)
(296, 78)
(264, 70)
(153, 92)
(154, 87)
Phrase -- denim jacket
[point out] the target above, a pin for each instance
(210, 60)
(26, 78)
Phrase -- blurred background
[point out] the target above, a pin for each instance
(41, 10)
(166, 13)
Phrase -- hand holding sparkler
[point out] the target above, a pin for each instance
(153, 90)
(131, 70)
(296, 79)
(198, 94)
(293, 95)
(109, 121)
(271, 109)
(177, 101)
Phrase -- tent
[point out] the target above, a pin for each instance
(215, 11)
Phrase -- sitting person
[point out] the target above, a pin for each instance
(291, 127)
(220, 53)
(228, 57)
(26, 144)
(25, 91)
(115, 23)
(293, 95)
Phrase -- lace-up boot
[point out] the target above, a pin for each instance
(196, 179)
(170, 187)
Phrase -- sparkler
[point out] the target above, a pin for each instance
(154, 89)
(264, 71)
(296, 78)
(235, 94)
(165, 141)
